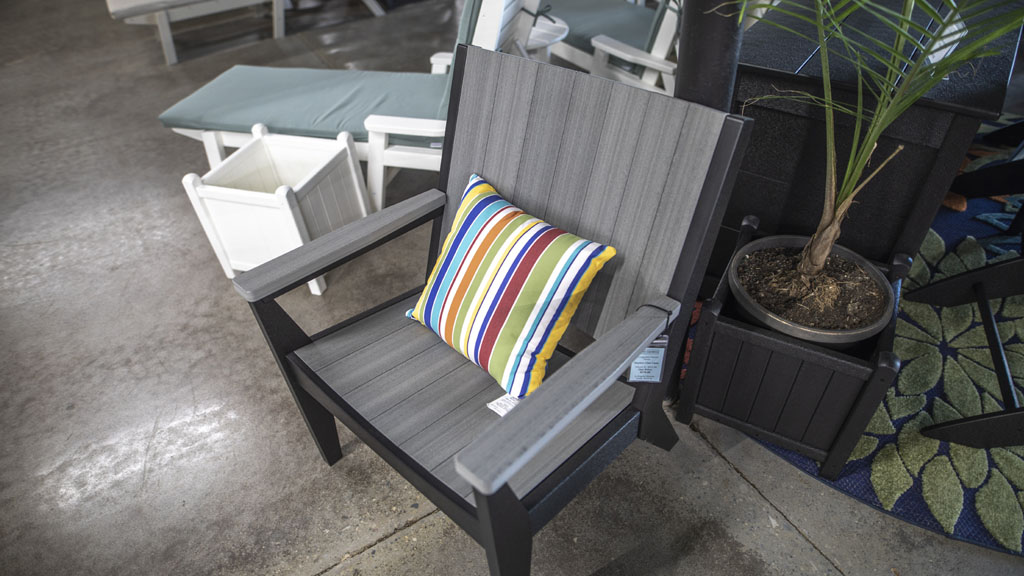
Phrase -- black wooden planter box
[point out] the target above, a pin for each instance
(814, 400)
(808, 398)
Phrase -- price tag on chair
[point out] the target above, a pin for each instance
(647, 366)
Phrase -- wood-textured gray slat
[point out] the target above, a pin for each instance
(472, 126)
(348, 373)
(568, 441)
(645, 186)
(577, 155)
(620, 135)
(511, 442)
(344, 342)
(607, 169)
(679, 202)
(746, 380)
(803, 399)
(449, 434)
(415, 413)
(774, 390)
(446, 472)
(719, 367)
(543, 138)
(511, 110)
(832, 410)
(305, 261)
(406, 378)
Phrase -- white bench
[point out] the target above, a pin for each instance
(162, 12)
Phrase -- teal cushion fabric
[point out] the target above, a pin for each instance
(619, 19)
(307, 102)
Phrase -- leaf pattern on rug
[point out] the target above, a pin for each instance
(948, 374)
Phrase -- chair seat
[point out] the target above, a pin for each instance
(308, 102)
(629, 23)
(424, 397)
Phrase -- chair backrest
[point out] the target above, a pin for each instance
(491, 25)
(640, 171)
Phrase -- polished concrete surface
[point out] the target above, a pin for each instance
(146, 428)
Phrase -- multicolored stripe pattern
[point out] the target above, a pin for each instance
(505, 287)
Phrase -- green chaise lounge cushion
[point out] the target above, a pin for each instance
(307, 102)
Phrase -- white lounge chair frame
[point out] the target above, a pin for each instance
(658, 74)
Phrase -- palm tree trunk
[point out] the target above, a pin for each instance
(812, 260)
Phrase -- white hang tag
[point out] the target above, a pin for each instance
(503, 405)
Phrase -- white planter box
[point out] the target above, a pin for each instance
(276, 193)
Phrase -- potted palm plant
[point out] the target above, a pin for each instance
(812, 288)
(809, 398)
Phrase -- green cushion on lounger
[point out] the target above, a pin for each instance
(306, 102)
(619, 19)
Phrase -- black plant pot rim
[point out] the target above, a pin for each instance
(774, 321)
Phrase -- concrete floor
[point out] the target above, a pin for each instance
(147, 431)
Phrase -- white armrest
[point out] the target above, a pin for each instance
(630, 54)
(440, 62)
(408, 126)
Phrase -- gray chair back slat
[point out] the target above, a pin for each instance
(611, 163)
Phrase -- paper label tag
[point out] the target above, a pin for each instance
(647, 366)
(437, 144)
(503, 405)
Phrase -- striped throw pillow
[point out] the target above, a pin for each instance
(505, 287)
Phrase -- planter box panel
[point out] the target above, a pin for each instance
(746, 380)
(828, 417)
(775, 386)
(808, 388)
(723, 358)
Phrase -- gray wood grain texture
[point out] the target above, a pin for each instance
(431, 402)
(304, 263)
(508, 446)
(611, 163)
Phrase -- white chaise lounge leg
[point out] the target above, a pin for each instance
(377, 144)
(163, 30)
(213, 144)
(374, 7)
(278, 8)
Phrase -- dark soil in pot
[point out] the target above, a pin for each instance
(842, 297)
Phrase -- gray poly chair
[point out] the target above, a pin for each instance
(647, 174)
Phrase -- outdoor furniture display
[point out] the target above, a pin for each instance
(161, 13)
(794, 394)
(396, 118)
(639, 39)
(277, 193)
(638, 171)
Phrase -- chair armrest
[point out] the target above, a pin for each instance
(298, 266)
(440, 62)
(402, 125)
(489, 462)
(630, 54)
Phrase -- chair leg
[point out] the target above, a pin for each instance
(284, 337)
(505, 532)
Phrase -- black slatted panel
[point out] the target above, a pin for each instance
(771, 398)
(832, 411)
(746, 380)
(720, 364)
(803, 399)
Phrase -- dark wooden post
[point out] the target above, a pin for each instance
(709, 50)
